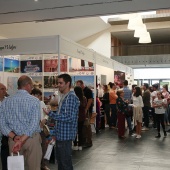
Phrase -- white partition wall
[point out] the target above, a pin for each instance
(44, 58)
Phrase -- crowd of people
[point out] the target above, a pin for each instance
(140, 108)
(24, 114)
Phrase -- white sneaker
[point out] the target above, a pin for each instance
(80, 148)
(138, 136)
(75, 148)
(134, 135)
(145, 129)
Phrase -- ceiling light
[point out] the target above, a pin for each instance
(140, 31)
(135, 22)
(35, 0)
(145, 38)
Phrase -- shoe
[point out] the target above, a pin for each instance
(145, 129)
(134, 135)
(80, 148)
(87, 145)
(45, 168)
(168, 131)
(130, 133)
(158, 136)
(165, 134)
(138, 136)
(75, 148)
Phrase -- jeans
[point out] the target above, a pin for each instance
(146, 115)
(128, 119)
(64, 155)
(113, 119)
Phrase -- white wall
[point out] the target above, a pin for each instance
(100, 43)
(154, 73)
(105, 71)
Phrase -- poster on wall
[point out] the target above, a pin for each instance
(119, 78)
(37, 82)
(1, 64)
(63, 65)
(31, 66)
(88, 81)
(50, 65)
(50, 81)
(12, 85)
(76, 64)
(11, 65)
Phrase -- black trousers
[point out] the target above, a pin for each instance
(160, 120)
(4, 152)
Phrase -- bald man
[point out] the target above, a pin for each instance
(19, 120)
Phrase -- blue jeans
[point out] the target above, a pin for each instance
(128, 119)
(64, 155)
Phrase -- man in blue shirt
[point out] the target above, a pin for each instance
(128, 97)
(66, 117)
(19, 120)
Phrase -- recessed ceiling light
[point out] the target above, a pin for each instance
(35, 0)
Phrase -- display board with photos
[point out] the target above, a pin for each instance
(11, 64)
(1, 63)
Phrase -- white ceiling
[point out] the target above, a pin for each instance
(74, 29)
(78, 28)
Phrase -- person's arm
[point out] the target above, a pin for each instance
(89, 103)
(67, 109)
(141, 101)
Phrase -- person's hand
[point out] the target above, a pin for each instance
(17, 138)
(17, 146)
(46, 110)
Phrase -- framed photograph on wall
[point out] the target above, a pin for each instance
(119, 78)
(31, 66)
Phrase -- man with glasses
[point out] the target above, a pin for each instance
(19, 120)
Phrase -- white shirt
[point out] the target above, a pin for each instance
(43, 114)
(161, 109)
(137, 101)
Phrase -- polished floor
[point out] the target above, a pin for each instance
(110, 153)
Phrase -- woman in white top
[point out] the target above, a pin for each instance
(137, 111)
(160, 106)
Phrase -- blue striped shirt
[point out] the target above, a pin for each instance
(127, 93)
(66, 118)
(20, 113)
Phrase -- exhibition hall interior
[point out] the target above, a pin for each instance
(98, 42)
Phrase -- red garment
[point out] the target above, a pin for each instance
(121, 124)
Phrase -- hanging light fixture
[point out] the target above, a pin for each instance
(145, 38)
(135, 22)
(140, 31)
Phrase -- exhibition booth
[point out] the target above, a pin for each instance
(44, 58)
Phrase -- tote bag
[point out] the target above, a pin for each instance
(49, 150)
(15, 162)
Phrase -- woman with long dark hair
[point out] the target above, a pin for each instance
(105, 104)
(137, 111)
(81, 117)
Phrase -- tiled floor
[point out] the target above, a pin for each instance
(110, 153)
